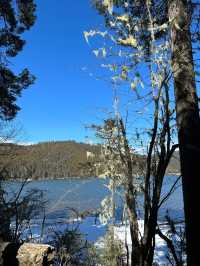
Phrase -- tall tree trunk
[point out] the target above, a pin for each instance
(130, 197)
(188, 121)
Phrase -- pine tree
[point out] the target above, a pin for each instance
(15, 18)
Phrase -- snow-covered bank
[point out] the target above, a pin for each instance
(94, 231)
(90, 227)
(122, 233)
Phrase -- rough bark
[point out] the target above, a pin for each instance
(188, 121)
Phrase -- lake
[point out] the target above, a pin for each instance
(86, 194)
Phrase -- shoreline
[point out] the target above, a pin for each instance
(67, 178)
(50, 179)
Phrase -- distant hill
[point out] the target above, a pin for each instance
(174, 165)
(59, 159)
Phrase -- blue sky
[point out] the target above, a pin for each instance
(64, 97)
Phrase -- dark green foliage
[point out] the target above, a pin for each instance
(15, 18)
(73, 249)
(113, 252)
(10, 88)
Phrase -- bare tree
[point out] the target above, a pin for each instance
(123, 166)
(132, 24)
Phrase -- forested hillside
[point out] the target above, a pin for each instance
(47, 160)
(54, 160)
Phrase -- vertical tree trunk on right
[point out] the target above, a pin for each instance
(188, 122)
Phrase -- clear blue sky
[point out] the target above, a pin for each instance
(64, 97)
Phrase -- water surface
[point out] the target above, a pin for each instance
(85, 195)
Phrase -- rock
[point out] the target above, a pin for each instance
(27, 254)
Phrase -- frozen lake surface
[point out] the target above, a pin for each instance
(85, 195)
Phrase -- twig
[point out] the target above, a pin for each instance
(169, 245)
(173, 188)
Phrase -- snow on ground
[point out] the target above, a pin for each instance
(89, 227)
(96, 231)
(122, 232)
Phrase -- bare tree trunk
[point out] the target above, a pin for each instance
(188, 121)
(131, 201)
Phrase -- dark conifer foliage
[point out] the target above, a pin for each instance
(15, 18)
